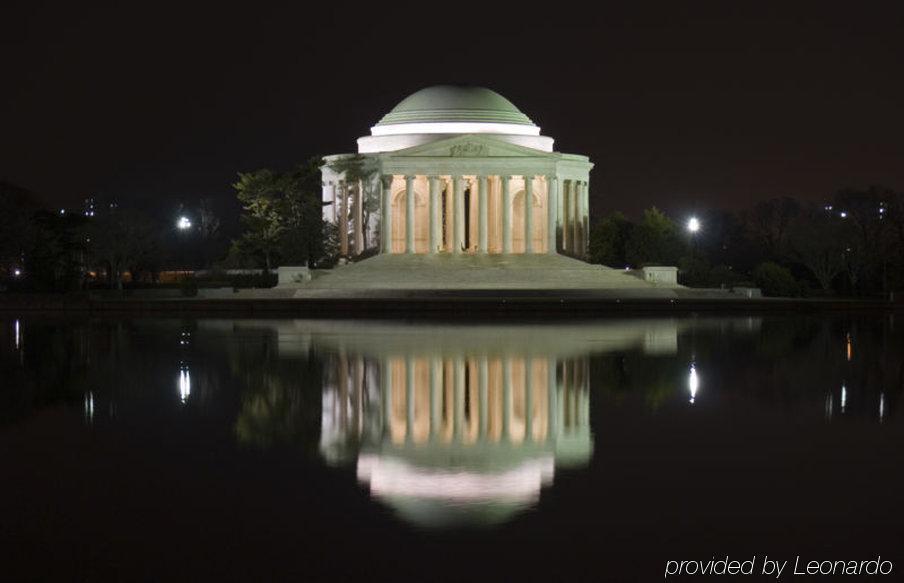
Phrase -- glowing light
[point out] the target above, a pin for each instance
(17, 272)
(693, 382)
(842, 214)
(849, 347)
(183, 223)
(62, 211)
(89, 407)
(693, 224)
(184, 384)
(17, 333)
(881, 407)
(843, 398)
(830, 406)
(455, 128)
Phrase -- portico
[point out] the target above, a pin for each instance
(460, 170)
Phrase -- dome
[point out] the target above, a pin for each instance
(450, 103)
(443, 111)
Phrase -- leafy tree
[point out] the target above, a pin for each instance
(608, 239)
(655, 240)
(17, 208)
(769, 223)
(54, 259)
(282, 215)
(122, 240)
(817, 242)
(775, 280)
(260, 193)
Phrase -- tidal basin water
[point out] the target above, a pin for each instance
(269, 450)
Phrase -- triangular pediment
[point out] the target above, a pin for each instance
(470, 146)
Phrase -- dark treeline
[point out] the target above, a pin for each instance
(851, 246)
(102, 241)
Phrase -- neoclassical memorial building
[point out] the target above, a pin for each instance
(458, 170)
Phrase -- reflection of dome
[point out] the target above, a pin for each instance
(433, 497)
(449, 103)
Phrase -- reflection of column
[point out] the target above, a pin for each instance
(528, 214)
(343, 391)
(483, 377)
(436, 369)
(409, 214)
(387, 395)
(506, 216)
(552, 388)
(386, 229)
(434, 214)
(458, 213)
(506, 398)
(482, 215)
(409, 397)
(528, 399)
(552, 193)
(459, 411)
(357, 412)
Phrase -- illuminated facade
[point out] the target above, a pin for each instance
(458, 170)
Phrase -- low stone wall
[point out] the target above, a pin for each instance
(292, 274)
(660, 274)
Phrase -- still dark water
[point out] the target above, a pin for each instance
(270, 450)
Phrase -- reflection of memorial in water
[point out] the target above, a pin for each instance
(465, 425)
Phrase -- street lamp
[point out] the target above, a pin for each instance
(693, 224)
(183, 224)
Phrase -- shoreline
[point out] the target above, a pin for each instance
(410, 305)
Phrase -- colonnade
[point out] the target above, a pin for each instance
(351, 223)
(463, 400)
(503, 224)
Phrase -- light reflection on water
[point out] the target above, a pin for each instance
(447, 425)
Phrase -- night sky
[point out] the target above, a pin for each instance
(686, 108)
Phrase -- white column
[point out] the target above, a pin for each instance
(576, 217)
(335, 204)
(386, 227)
(586, 239)
(560, 219)
(409, 214)
(450, 214)
(359, 218)
(434, 215)
(343, 219)
(506, 216)
(552, 206)
(528, 214)
(458, 212)
(482, 215)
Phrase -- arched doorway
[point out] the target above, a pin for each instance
(421, 226)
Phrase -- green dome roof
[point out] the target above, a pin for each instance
(450, 103)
